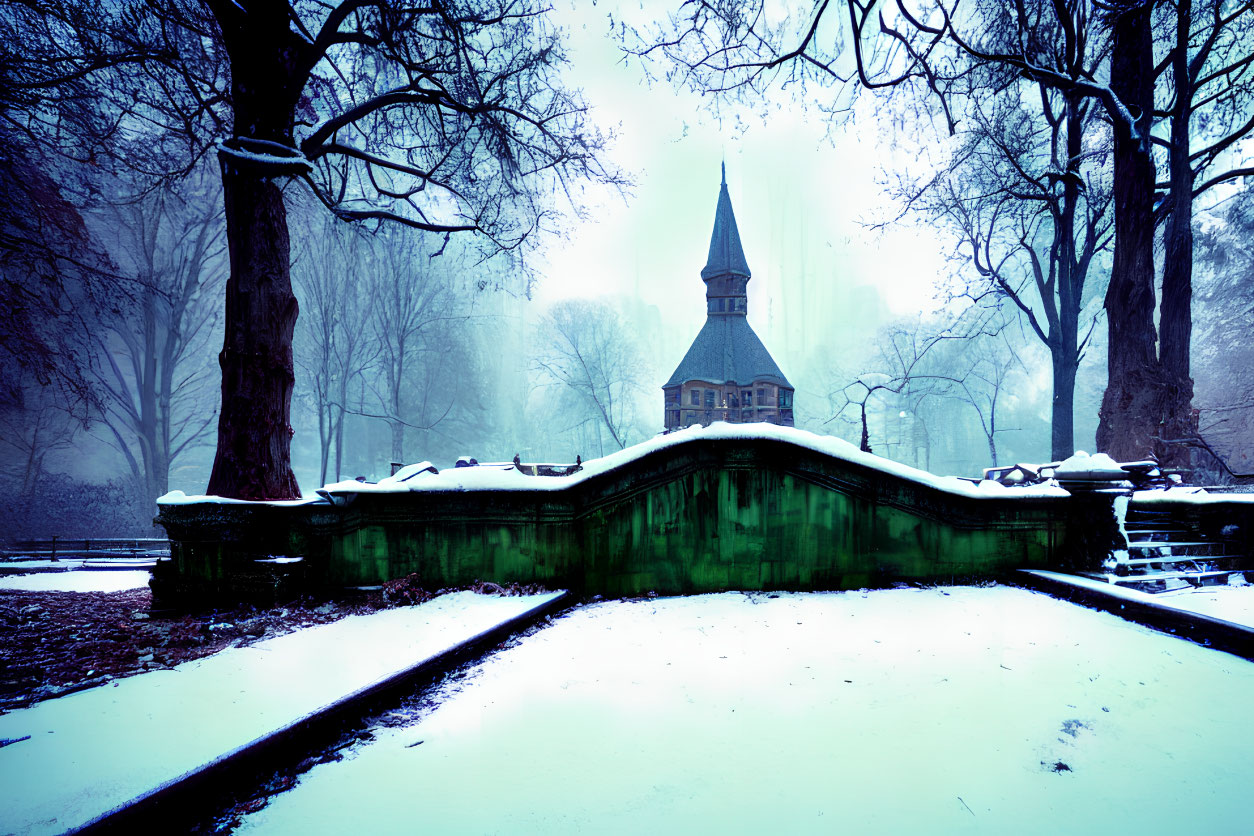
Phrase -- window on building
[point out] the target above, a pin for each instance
(694, 397)
(747, 396)
(709, 398)
(783, 399)
(761, 397)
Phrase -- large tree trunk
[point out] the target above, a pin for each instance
(1133, 400)
(253, 460)
(1176, 316)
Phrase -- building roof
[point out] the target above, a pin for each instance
(727, 349)
(727, 257)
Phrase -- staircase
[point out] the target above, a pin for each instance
(1166, 553)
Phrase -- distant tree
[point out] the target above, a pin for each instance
(53, 279)
(1102, 53)
(584, 349)
(1223, 356)
(1027, 192)
(333, 283)
(447, 118)
(150, 362)
(409, 324)
(35, 420)
(981, 382)
(917, 361)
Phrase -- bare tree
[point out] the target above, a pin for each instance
(981, 383)
(35, 420)
(333, 280)
(1027, 191)
(151, 352)
(586, 351)
(1103, 53)
(413, 307)
(1206, 97)
(53, 278)
(446, 117)
(918, 361)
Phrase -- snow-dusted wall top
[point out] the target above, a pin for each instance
(420, 477)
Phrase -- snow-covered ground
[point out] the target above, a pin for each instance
(983, 710)
(1233, 602)
(82, 580)
(73, 759)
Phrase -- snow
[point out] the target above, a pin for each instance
(77, 581)
(60, 565)
(92, 751)
(508, 478)
(1234, 602)
(894, 711)
(1085, 467)
(495, 477)
(180, 498)
(1196, 496)
(284, 157)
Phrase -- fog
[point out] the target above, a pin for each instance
(472, 358)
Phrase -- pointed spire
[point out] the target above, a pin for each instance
(727, 257)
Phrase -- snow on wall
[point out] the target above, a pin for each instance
(507, 478)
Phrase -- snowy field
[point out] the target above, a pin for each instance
(967, 710)
(79, 580)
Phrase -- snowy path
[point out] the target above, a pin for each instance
(91, 752)
(81, 580)
(1229, 603)
(969, 710)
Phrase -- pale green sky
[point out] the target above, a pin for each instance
(798, 198)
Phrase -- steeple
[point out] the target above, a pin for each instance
(726, 271)
(727, 374)
(727, 257)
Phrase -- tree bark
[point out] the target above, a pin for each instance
(1132, 403)
(1062, 412)
(1175, 315)
(253, 460)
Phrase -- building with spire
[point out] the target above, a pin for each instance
(727, 374)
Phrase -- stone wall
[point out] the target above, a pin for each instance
(702, 516)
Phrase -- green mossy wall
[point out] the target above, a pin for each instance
(701, 516)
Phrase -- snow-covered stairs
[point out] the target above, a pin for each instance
(1166, 553)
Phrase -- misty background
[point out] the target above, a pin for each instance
(405, 355)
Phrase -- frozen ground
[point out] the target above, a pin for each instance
(72, 759)
(981, 710)
(81, 580)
